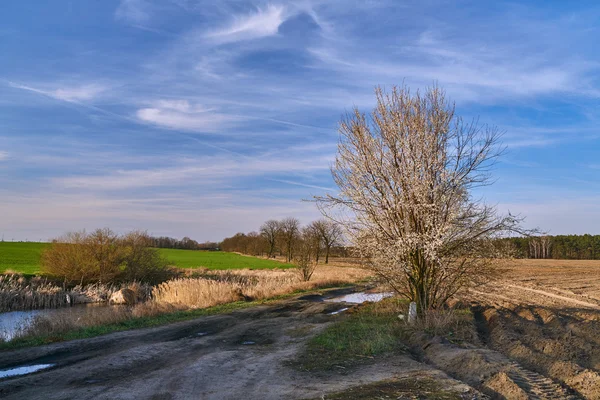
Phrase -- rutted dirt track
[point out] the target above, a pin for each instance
(236, 356)
(546, 316)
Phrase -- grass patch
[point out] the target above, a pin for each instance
(372, 330)
(408, 388)
(24, 257)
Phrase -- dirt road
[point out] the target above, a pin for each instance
(241, 355)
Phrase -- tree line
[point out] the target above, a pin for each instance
(566, 247)
(186, 243)
(287, 237)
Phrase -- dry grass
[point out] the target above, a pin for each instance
(210, 288)
(65, 320)
(457, 325)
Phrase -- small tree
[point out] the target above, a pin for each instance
(305, 253)
(405, 174)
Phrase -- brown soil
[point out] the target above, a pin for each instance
(545, 315)
(242, 355)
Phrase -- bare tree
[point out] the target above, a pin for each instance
(270, 230)
(306, 253)
(405, 174)
(288, 233)
(330, 234)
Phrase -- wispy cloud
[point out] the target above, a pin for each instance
(3, 155)
(261, 23)
(133, 11)
(72, 94)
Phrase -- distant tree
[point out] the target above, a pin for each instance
(288, 233)
(404, 174)
(270, 230)
(330, 234)
(311, 233)
(256, 244)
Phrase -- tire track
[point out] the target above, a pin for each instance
(536, 386)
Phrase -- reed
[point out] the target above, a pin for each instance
(20, 293)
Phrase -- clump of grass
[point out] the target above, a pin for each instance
(373, 330)
(455, 324)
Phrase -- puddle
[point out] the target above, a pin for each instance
(248, 342)
(338, 311)
(23, 370)
(360, 297)
(201, 333)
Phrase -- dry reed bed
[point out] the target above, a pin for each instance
(20, 293)
(211, 289)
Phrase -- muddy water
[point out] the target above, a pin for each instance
(11, 323)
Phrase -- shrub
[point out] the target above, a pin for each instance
(141, 262)
(102, 257)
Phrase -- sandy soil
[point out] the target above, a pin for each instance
(236, 356)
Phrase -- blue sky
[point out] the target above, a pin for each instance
(200, 118)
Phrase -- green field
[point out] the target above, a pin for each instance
(217, 260)
(21, 257)
(25, 258)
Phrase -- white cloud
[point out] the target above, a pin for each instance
(180, 114)
(262, 23)
(78, 93)
(467, 74)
